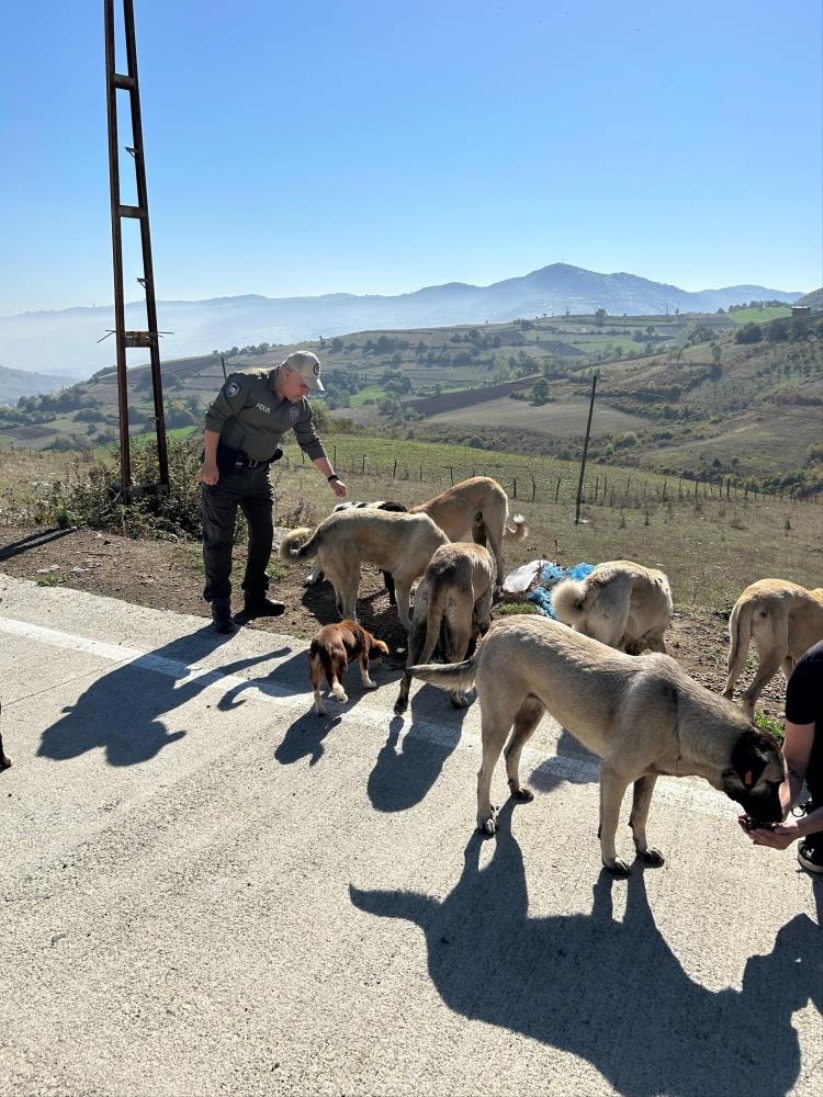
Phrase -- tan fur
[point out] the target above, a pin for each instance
(332, 649)
(401, 544)
(620, 603)
(784, 620)
(454, 598)
(476, 508)
(643, 717)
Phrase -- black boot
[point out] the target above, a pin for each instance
(221, 615)
(258, 605)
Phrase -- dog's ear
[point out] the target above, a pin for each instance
(749, 758)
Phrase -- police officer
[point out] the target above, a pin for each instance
(244, 428)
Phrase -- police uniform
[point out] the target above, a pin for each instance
(251, 422)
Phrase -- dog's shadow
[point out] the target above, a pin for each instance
(305, 737)
(406, 769)
(548, 775)
(610, 992)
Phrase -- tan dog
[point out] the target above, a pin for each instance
(476, 508)
(332, 649)
(643, 717)
(401, 544)
(452, 600)
(620, 603)
(784, 619)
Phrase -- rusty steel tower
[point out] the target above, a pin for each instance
(150, 336)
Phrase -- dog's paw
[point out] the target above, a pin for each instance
(488, 826)
(652, 857)
(369, 684)
(341, 696)
(459, 699)
(618, 868)
(522, 794)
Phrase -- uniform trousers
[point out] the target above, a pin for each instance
(251, 491)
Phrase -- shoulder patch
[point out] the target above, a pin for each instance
(294, 413)
(232, 389)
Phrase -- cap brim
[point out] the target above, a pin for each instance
(315, 384)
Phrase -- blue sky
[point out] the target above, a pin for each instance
(374, 147)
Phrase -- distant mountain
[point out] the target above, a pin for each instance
(15, 383)
(814, 300)
(67, 341)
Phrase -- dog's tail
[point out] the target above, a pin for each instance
(449, 675)
(298, 544)
(516, 528)
(569, 600)
(740, 634)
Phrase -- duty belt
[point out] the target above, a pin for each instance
(249, 463)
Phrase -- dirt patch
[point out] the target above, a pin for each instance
(163, 575)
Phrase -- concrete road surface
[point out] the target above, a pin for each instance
(208, 890)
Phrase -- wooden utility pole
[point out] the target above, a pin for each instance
(149, 338)
(585, 451)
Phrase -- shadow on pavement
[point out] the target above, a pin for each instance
(610, 992)
(122, 711)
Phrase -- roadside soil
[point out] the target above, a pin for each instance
(169, 576)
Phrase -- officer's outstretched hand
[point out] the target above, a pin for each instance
(209, 473)
(339, 488)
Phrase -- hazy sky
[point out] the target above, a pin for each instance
(378, 147)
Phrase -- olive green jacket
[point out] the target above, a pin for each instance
(248, 416)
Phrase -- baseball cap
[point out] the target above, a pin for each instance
(308, 366)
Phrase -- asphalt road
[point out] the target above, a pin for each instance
(208, 890)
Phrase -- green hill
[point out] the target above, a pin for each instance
(700, 396)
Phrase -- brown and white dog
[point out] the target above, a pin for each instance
(477, 508)
(330, 653)
(316, 574)
(783, 619)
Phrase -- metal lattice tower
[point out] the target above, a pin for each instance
(150, 337)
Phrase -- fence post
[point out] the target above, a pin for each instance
(514, 492)
(557, 489)
(363, 467)
(534, 489)
(394, 473)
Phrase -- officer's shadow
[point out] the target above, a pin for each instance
(122, 712)
(610, 992)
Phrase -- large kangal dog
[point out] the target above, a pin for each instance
(643, 717)
(476, 508)
(784, 619)
(401, 544)
(452, 602)
(316, 574)
(619, 603)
